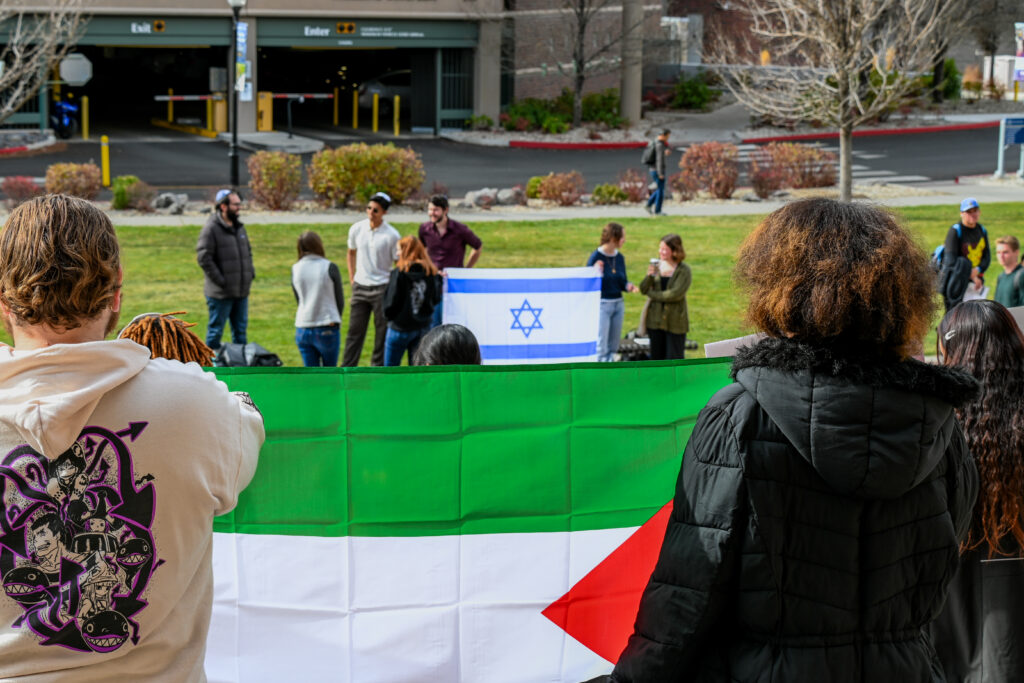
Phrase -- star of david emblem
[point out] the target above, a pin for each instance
(518, 322)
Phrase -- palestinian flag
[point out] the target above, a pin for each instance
(480, 525)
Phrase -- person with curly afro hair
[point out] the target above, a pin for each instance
(823, 496)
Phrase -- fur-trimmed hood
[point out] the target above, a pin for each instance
(870, 427)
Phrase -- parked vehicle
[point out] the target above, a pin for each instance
(62, 119)
(386, 85)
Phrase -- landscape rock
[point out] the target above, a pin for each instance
(513, 196)
(485, 198)
(171, 203)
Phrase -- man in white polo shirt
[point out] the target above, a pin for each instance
(372, 244)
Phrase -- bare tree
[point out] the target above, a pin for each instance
(841, 62)
(37, 38)
(592, 40)
(990, 21)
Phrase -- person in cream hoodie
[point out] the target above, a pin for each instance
(113, 465)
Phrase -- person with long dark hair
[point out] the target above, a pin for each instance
(978, 634)
(823, 495)
(448, 344)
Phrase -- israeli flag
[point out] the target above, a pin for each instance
(527, 315)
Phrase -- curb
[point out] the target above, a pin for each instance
(51, 140)
(193, 130)
(532, 144)
(874, 133)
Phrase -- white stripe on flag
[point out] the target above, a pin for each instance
(366, 610)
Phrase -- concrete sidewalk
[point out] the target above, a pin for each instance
(984, 189)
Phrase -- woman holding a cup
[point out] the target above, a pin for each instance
(667, 281)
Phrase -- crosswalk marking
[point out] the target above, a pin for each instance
(860, 171)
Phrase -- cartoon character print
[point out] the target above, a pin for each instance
(76, 542)
(975, 253)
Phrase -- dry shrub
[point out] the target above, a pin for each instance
(359, 171)
(709, 166)
(563, 188)
(765, 176)
(634, 184)
(20, 188)
(802, 165)
(77, 180)
(275, 179)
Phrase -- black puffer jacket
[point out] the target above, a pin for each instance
(815, 525)
(224, 254)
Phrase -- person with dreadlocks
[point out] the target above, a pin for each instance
(977, 635)
(168, 337)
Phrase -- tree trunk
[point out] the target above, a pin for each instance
(939, 77)
(577, 100)
(579, 73)
(845, 160)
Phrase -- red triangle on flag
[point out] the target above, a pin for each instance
(600, 609)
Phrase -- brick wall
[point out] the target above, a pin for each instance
(543, 41)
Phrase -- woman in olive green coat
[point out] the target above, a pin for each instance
(666, 284)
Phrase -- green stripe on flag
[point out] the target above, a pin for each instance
(492, 449)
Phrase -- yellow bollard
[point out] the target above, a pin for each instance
(105, 159)
(1016, 89)
(170, 106)
(335, 107)
(398, 101)
(355, 109)
(376, 111)
(85, 117)
(209, 114)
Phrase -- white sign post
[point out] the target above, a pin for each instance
(1011, 132)
(75, 69)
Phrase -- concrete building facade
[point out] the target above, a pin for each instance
(444, 54)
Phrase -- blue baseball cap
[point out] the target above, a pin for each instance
(968, 204)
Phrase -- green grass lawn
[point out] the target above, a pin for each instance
(161, 274)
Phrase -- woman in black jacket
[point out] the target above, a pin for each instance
(979, 633)
(823, 495)
(413, 291)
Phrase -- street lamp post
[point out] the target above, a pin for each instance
(236, 8)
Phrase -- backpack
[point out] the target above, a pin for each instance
(649, 156)
(249, 355)
(940, 250)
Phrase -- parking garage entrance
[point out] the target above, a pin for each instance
(428, 64)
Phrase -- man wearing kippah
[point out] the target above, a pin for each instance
(372, 244)
(224, 254)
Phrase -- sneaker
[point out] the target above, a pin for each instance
(648, 209)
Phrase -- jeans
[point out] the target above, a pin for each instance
(667, 345)
(609, 328)
(365, 300)
(319, 346)
(223, 310)
(396, 343)
(438, 314)
(658, 196)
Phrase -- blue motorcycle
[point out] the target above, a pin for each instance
(62, 119)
